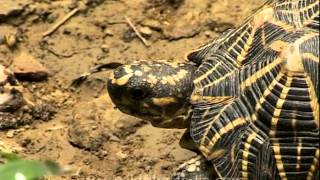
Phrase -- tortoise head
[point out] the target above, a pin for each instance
(155, 91)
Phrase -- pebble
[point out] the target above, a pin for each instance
(67, 30)
(108, 32)
(10, 8)
(11, 40)
(52, 17)
(11, 101)
(119, 125)
(26, 67)
(198, 163)
(121, 155)
(207, 34)
(105, 48)
(79, 135)
(4, 98)
(192, 168)
(128, 35)
(153, 24)
(182, 175)
(114, 138)
(10, 134)
(146, 31)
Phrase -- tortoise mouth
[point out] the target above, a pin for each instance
(143, 114)
(155, 119)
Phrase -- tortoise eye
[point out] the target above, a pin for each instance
(138, 94)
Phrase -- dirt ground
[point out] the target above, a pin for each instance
(86, 133)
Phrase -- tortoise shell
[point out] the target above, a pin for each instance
(256, 95)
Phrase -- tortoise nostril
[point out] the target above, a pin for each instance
(138, 94)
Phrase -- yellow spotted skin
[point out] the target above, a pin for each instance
(256, 95)
(155, 91)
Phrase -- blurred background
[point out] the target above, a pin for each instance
(48, 43)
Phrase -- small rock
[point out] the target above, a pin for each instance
(7, 77)
(54, 128)
(198, 163)
(122, 155)
(82, 136)
(52, 17)
(9, 120)
(182, 175)
(43, 112)
(108, 32)
(114, 138)
(153, 24)
(128, 35)
(26, 67)
(192, 168)
(73, 4)
(207, 34)
(11, 40)
(33, 18)
(10, 134)
(67, 30)
(4, 98)
(119, 125)
(82, 6)
(146, 31)
(11, 100)
(11, 8)
(105, 48)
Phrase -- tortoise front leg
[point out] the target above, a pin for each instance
(186, 142)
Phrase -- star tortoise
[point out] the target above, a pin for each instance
(249, 99)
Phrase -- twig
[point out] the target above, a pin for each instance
(29, 102)
(59, 23)
(144, 41)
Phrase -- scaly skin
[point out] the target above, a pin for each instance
(154, 91)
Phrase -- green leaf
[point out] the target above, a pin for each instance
(27, 170)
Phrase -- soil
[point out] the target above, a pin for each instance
(86, 133)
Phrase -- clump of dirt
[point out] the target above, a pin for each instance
(26, 115)
(80, 128)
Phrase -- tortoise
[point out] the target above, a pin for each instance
(249, 99)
